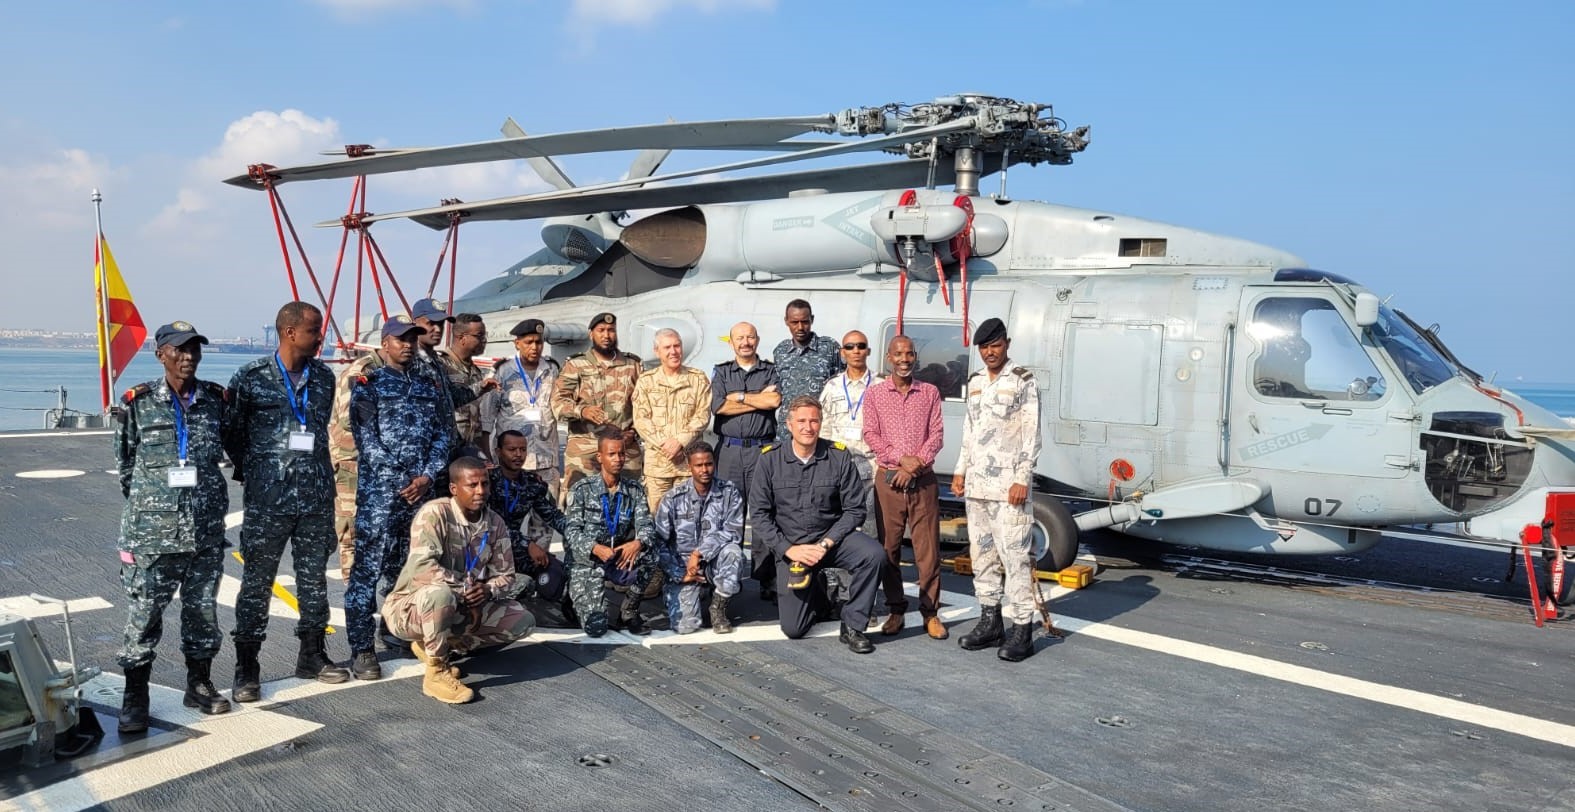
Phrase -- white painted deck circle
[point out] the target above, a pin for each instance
(50, 473)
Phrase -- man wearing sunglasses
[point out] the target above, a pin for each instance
(843, 399)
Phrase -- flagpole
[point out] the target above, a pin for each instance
(101, 281)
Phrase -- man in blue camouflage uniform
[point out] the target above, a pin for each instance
(698, 534)
(169, 443)
(278, 441)
(530, 512)
(402, 429)
(608, 538)
(804, 362)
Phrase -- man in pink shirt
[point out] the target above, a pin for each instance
(902, 427)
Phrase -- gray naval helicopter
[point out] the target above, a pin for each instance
(1195, 389)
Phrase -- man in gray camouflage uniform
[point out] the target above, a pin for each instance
(698, 534)
(804, 362)
(278, 441)
(995, 469)
(608, 539)
(169, 443)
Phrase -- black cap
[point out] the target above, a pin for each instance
(400, 325)
(177, 333)
(991, 331)
(602, 318)
(528, 327)
(429, 309)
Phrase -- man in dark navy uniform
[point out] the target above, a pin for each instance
(808, 501)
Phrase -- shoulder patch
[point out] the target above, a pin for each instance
(135, 392)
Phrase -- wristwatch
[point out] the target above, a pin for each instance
(740, 397)
(827, 543)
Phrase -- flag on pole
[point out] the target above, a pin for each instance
(120, 328)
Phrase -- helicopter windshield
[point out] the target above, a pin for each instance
(1421, 365)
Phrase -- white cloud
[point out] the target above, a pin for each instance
(53, 193)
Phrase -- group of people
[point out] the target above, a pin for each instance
(442, 484)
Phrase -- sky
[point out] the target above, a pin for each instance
(1422, 148)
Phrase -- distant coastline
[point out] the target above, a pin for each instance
(60, 340)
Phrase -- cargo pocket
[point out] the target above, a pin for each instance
(156, 524)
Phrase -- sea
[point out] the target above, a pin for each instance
(30, 379)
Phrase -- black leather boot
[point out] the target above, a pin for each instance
(364, 665)
(1018, 643)
(248, 673)
(312, 662)
(200, 693)
(719, 622)
(134, 702)
(985, 633)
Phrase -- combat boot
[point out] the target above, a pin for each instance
(1018, 643)
(719, 622)
(985, 633)
(134, 701)
(312, 662)
(420, 651)
(364, 665)
(441, 684)
(200, 693)
(248, 673)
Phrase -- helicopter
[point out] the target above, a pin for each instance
(1195, 389)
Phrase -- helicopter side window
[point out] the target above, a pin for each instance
(1308, 352)
(942, 361)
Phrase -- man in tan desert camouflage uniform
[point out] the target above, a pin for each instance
(595, 389)
(672, 405)
(452, 597)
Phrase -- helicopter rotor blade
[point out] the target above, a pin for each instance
(545, 167)
(873, 176)
(870, 144)
(743, 134)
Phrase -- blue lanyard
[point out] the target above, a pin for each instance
(526, 382)
(306, 375)
(610, 519)
(511, 495)
(471, 561)
(181, 435)
(853, 408)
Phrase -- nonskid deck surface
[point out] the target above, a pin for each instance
(1179, 686)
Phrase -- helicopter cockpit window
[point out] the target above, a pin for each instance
(942, 361)
(1421, 365)
(1309, 352)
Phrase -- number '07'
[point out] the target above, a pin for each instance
(1321, 507)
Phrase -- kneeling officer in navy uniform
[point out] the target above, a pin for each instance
(808, 501)
(169, 443)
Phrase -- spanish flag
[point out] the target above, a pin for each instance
(120, 330)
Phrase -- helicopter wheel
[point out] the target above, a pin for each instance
(1566, 596)
(1054, 538)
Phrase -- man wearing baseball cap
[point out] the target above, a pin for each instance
(403, 435)
(169, 443)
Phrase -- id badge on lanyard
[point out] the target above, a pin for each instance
(182, 475)
(532, 413)
(302, 440)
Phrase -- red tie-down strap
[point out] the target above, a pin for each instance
(908, 199)
(961, 245)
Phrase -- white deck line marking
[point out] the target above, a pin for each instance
(50, 473)
(55, 434)
(25, 606)
(241, 731)
(230, 593)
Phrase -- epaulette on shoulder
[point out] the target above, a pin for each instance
(1022, 372)
(135, 392)
(839, 445)
(768, 448)
(217, 389)
(632, 357)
